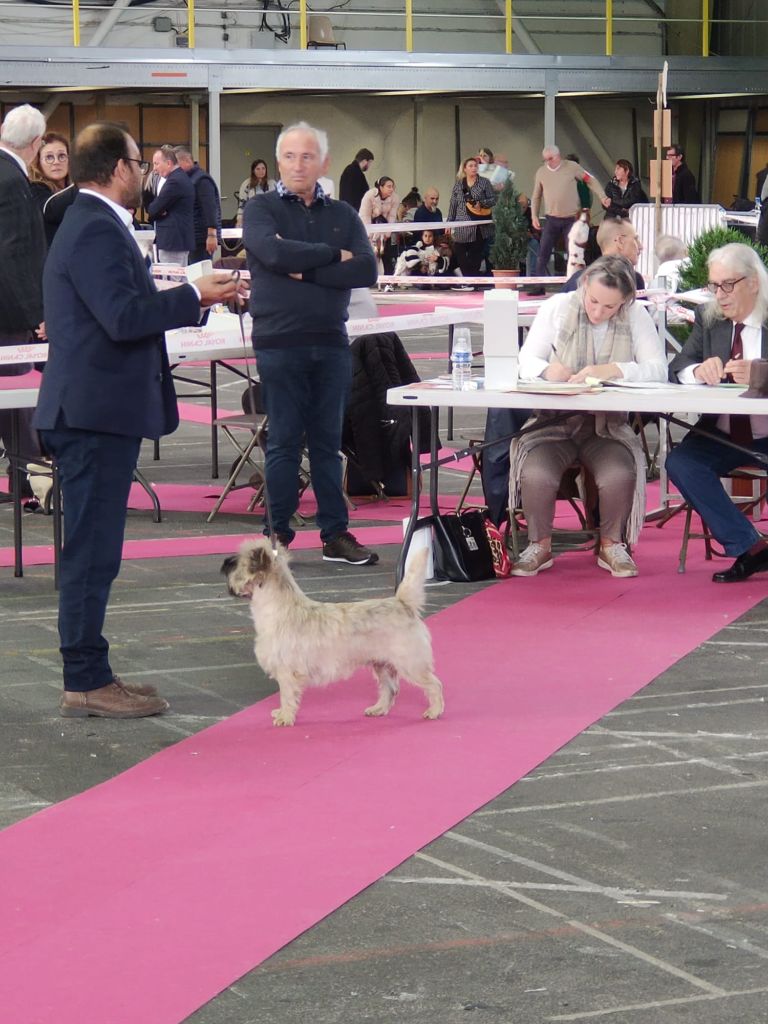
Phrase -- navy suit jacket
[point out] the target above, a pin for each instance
(173, 213)
(107, 367)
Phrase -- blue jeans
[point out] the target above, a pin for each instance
(95, 471)
(695, 467)
(305, 391)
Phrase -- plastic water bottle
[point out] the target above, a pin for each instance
(758, 204)
(461, 359)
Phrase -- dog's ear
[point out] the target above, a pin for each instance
(260, 561)
(228, 565)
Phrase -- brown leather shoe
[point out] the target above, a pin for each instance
(110, 701)
(142, 689)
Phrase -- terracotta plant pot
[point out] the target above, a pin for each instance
(503, 278)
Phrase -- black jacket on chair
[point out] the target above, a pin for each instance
(377, 435)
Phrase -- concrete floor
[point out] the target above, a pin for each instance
(625, 880)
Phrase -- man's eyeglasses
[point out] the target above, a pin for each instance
(143, 164)
(726, 287)
(52, 158)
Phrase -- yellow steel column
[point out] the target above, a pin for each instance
(704, 28)
(75, 22)
(608, 28)
(191, 23)
(303, 24)
(508, 26)
(409, 25)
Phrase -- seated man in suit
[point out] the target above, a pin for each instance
(107, 384)
(728, 333)
(173, 211)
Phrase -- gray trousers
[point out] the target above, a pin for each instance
(609, 463)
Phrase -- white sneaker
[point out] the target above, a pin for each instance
(532, 561)
(617, 560)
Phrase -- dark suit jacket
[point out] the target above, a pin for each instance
(707, 341)
(107, 367)
(22, 251)
(684, 186)
(173, 213)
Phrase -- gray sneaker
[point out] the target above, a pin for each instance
(617, 560)
(345, 548)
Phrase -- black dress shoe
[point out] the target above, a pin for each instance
(746, 565)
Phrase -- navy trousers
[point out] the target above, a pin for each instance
(305, 391)
(95, 471)
(551, 230)
(695, 467)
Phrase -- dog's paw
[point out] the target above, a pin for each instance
(432, 713)
(376, 710)
(280, 717)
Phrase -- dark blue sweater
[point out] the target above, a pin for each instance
(313, 310)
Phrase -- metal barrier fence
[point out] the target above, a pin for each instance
(685, 222)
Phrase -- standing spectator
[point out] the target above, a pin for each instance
(353, 183)
(173, 211)
(585, 195)
(472, 198)
(379, 206)
(305, 253)
(206, 213)
(624, 190)
(153, 181)
(671, 253)
(760, 179)
(556, 183)
(49, 174)
(728, 333)
(22, 253)
(683, 182)
(257, 181)
(106, 385)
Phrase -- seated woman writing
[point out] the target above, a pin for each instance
(596, 331)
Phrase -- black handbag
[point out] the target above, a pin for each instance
(461, 550)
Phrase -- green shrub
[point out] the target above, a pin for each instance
(694, 272)
(510, 241)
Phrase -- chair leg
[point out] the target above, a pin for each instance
(140, 479)
(686, 537)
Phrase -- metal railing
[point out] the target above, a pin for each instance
(412, 20)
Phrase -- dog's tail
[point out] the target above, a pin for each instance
(411, 590)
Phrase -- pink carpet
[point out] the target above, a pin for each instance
(225, 847)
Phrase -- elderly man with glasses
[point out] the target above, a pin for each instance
(729, 332)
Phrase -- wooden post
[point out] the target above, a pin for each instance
(191, 23)
(409, 25)
(508, 27)
(75, 22)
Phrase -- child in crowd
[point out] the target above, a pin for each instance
(578, 237)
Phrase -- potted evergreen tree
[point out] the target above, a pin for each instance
(510, 241)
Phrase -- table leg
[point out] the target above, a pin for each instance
(214, 429)
(15, 480)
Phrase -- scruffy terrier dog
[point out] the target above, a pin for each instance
(301, 642)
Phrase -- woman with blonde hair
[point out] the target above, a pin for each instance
(473, 198)
(597, 331)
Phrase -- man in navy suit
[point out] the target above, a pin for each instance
(728, 333)
(107, 384)
(22, 253)
(172, 210)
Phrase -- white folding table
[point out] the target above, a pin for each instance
(667, 402)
